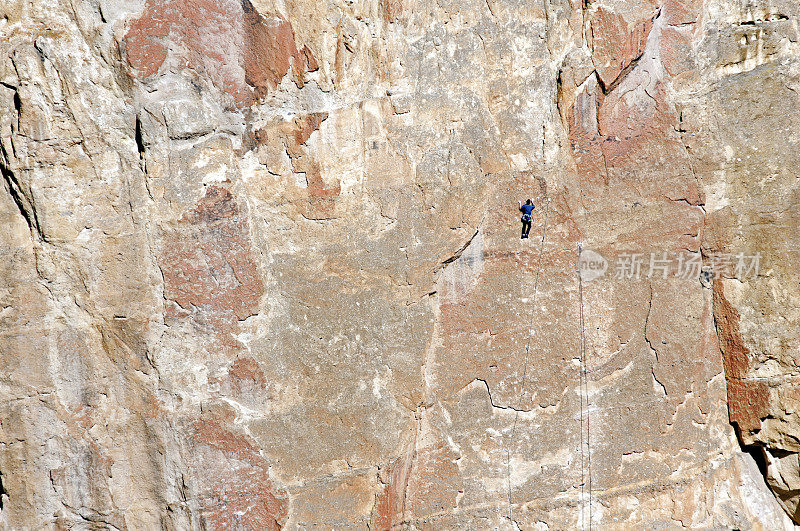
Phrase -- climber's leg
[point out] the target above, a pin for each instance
(526, 228)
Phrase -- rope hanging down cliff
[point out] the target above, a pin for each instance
(586, 450)
(525, 362)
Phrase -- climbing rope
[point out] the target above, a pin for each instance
(586, 455)
(525, 362)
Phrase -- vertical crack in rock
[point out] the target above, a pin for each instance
(607, 88)
(3, 492)
(12, 184)
(23, 203)
(137, 136)
(656, 383)
(411, 464)
(681, 130)
(748, 398)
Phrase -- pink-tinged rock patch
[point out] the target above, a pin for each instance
(243, 53)
(390, 501)
(208, 267)
(392, 10)
(318, 200)
(748, 400)
(418, 485)
(618, 38)
(680, 12)
(234, 486)
(244, 380)
(748, 403)
(736, 356)
(676, 51)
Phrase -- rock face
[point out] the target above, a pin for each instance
(261, 265)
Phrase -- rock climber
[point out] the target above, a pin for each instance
(526, 210)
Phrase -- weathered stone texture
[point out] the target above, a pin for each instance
(261, 265)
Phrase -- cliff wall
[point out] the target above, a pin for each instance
(261, 265)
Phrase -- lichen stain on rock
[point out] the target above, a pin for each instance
(392, 10)
(419, 484)
(735, 353)
(307, 124)
(321, 201)
(748, 403)
(244, 379)
(748, 400)
(243, 53)
(390, 501)
(235, 489)
(246, 369)
(606, 130)
(320, 197)
(270, 52)
(676, 51)
(208, 268)
(617, 42)
(612, 133)
(144, 46)
(682, 12)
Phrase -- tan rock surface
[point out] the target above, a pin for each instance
(261, 265)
